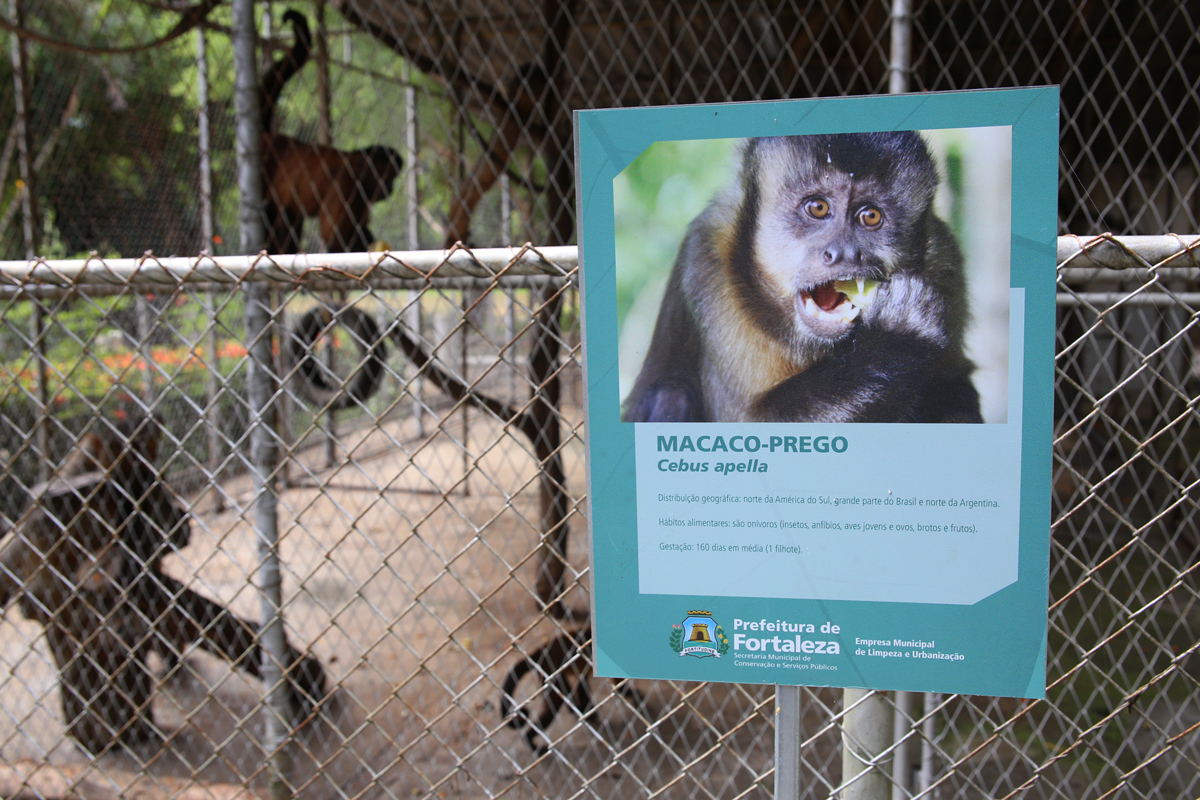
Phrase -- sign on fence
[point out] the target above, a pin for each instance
(819, 350)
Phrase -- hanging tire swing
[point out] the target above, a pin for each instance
(315, 381)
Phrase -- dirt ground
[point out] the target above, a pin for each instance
(413, 587)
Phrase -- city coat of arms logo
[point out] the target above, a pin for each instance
(700, 636)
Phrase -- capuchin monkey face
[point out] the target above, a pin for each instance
(837, 217)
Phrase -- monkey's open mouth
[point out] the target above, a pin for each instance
(840, 301)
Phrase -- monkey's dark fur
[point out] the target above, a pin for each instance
(752, 327)
(561, 665)
(85, 561)
(304, 179)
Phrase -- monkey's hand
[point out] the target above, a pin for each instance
(899, 364)
(909, 305)
(876, 376)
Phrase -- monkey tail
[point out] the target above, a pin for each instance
(284, 68)
(517, 718)
(564, 685)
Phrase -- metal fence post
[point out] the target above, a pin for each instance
(866, 733)
(25, 168)
(868, 727)
(30, 229)
(203, 144)
(465, 301)
(325, 137)
(260, 389)
(144, 325)
(928, 731)
(411, 211)
(900, 65)
(788, 737)
(324, 95)
(506, 217)
(901, 730)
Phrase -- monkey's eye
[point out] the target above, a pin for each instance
(817, 207)
(870, 217)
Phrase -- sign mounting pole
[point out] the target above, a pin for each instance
(787, 742)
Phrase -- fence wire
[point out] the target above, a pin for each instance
(435, 615)
(130, 152)
(426, 412)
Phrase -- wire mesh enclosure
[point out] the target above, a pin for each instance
(432, 616)
(315, 525)
(134, 151)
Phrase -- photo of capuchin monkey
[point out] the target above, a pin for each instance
(820, 285)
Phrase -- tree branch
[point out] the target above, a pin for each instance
(190, 18)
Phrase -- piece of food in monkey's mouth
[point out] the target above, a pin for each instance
(843, 300)
(860, 292)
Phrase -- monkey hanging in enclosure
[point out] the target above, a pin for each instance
(84, 561)
(820, 287)
(303, 179)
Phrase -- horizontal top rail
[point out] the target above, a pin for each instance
(303, 268)
(1085, 257)
(1079, 258)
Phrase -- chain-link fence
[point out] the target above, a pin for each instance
(433, 604)
(134, 151)
(409, 426)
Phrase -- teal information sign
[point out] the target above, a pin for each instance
(818, 340)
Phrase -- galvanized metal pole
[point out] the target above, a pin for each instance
(207, 231)
(866, 734)
(203, 137)
(144, 325)
(510, 315)
(901, 728)
(28, 195)
(325, 137)
(465, 300)
(411, 213)
(324, 93)
(260, 389)
(787, 742)
(869, 728)
(900, 66)
(30, 230)
(928, 731)
(249, 127)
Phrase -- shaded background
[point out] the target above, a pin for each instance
(113, 140)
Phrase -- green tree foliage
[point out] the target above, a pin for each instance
(119, 172)
(656, 197)
(121, 177)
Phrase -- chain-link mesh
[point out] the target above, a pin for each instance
(428, 426)
(474, 98)
(435, 608)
